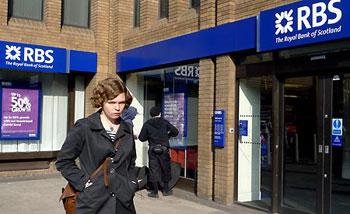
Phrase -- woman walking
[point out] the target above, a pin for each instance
(104, 134)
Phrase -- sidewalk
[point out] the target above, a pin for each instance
(39, 195)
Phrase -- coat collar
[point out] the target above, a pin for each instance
(96, 124)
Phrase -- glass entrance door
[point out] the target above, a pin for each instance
(300, 161)
(316, 148)
(340, 144)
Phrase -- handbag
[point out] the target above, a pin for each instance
(69, 194)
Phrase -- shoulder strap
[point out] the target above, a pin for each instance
(104, 165)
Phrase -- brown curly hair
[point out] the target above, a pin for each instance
(108, 89)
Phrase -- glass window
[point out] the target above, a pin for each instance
(175, 89)
(27, 9)
(54, 111)
(163, 9)
(137, 6)
(76, 13)
(195, 4)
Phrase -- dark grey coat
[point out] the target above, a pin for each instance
(89, 142)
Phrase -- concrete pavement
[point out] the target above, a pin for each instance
(39, 195)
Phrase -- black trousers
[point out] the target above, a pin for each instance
(159, 167)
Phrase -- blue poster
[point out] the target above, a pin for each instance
(219, 128)
(337, 141)
(243, 127)
(303, 22)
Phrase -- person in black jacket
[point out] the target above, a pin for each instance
(157, 132)
(92, 140)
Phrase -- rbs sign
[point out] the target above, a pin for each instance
(33, 58)
(38, 55)
(318, 14)
(302, 23)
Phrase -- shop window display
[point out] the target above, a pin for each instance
(175, 89)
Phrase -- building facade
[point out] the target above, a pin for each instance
(258, 89)
(269, 102)
(52, 54)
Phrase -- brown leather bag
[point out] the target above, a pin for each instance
(69, 197)
(69, 194)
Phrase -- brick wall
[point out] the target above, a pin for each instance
(182, 20)
(205, 113)
(224, 157)
(49, 32)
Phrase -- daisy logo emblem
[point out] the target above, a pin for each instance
(13, 52)
(284, 22)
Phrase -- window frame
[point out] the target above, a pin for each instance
(137, 13)
(165, 4)
(192, 4)
(72, 25)
(11, 15)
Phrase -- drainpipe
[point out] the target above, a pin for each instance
(214, 106)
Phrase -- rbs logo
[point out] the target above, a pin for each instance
(320, 13)
(29, 54)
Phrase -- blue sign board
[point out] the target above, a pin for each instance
(337, 126)
(337, 141)
(243, 127)
(226, 38)
(18, 56)
(337, 132)
(304, 22)
(219, 128)
(82, 61)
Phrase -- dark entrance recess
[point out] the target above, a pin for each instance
(309, 174)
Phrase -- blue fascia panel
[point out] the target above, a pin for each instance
(303, 23)
(226, 38)
(30, 57)
(83, 61)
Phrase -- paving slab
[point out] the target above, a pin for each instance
(39, 195)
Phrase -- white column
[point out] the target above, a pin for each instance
(249, 148)
(135, 84)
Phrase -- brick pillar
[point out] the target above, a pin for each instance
(3, 13)
(207, 14)
(52, 15)
(205, 112)
(100, 24)
(226, 11)
(177, 8)
(224, 157)
(122, 21)
(149, 13)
